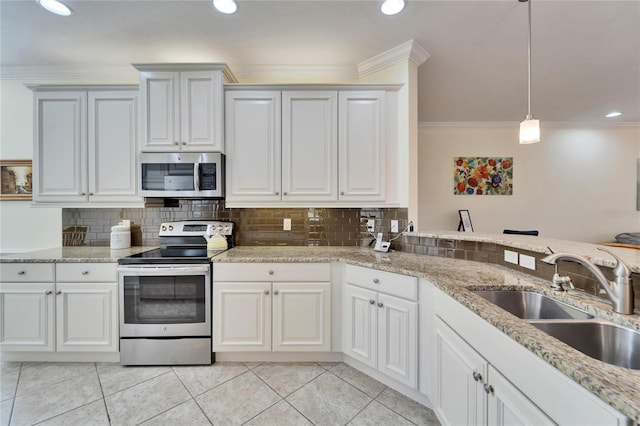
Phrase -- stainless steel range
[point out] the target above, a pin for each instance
(165, 297)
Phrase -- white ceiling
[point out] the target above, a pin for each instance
(586, 54)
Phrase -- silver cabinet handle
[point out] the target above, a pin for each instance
(270, 272)
(176, 143)
(341, 192)
(58, 292)
(266, 292)
(276, 292)
(284, 193)
(85, 272)
(477, 376)
(48, 292)
(372, 302)
(22, 272)
(83, 194)
(380, 304)
(277, 193)
(91, 194)
(488, 388)
(184, 143)
(376, 281)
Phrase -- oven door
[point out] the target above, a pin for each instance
(165, 300)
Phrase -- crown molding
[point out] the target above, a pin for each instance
(515, 124)
(409, 50)
(67, 72)
(292, 73)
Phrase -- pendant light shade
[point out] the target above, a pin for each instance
(225, 6)
(529, 127)
(54, 6)
(529, 131)
(392, 7)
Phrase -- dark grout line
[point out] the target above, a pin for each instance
(15, 393)
(106, 409)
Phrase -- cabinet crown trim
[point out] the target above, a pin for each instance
(189, 66)
(313, 86)
(80, 87)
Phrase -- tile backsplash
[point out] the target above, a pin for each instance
(309, 226)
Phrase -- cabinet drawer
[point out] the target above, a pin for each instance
(272, 272)
(93, 272)
(385, 282)
(27, 272)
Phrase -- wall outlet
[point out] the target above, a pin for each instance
(394, 226)
(286, 225)
(528, 262)
(371, 225)
(511, 256)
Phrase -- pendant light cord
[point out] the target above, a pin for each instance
(529, 58)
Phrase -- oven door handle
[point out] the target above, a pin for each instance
(163, 270)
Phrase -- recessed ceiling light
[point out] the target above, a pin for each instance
(225, 6)
(613, 114)
(392, 7)
(54, 6)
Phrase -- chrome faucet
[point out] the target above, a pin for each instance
(619, 291)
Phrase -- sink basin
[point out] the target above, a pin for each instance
(531, 306)
(607, 342)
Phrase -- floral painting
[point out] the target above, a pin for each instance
(483, 176)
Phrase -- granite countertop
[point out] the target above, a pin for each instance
(73, 255)
(617, 386)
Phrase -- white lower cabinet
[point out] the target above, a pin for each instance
(292, 314)
(77, 315)
(381, 330)
(470, 391)
(483, 377)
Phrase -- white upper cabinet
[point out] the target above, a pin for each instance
(182, 107)
(362, 146)
(253, 157)
(112, 146)
(318, 146)
(60, 147)
(81, 138)
(309, 146)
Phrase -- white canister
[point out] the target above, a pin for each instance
(120, 237)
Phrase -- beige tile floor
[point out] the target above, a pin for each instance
(221, 394)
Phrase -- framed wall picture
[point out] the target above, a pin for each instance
(16, 180)
(465, 221)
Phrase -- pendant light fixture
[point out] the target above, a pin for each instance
(529, 127)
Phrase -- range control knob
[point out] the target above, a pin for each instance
(170, 227)
(164, 228)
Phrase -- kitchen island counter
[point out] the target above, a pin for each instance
(616, 386)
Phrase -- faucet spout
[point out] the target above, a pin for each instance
(619, 291)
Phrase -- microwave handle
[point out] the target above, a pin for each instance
(196, 176)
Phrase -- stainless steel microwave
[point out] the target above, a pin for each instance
(182, 175)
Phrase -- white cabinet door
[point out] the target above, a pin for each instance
(459, 395)
(27, 317)
(201, 111)
(398, 339)
(112, 147)
(86, 317)
(242, 317)
(160, 103)
(302, 317)
(361, 141)
(309, 146)
(360, 324)
(253, 141)
(510, 407)
(60, 156)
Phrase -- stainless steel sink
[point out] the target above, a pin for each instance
(531, 306)
(600, 340)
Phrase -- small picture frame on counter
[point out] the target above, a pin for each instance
(16, 180)
(465, 221)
